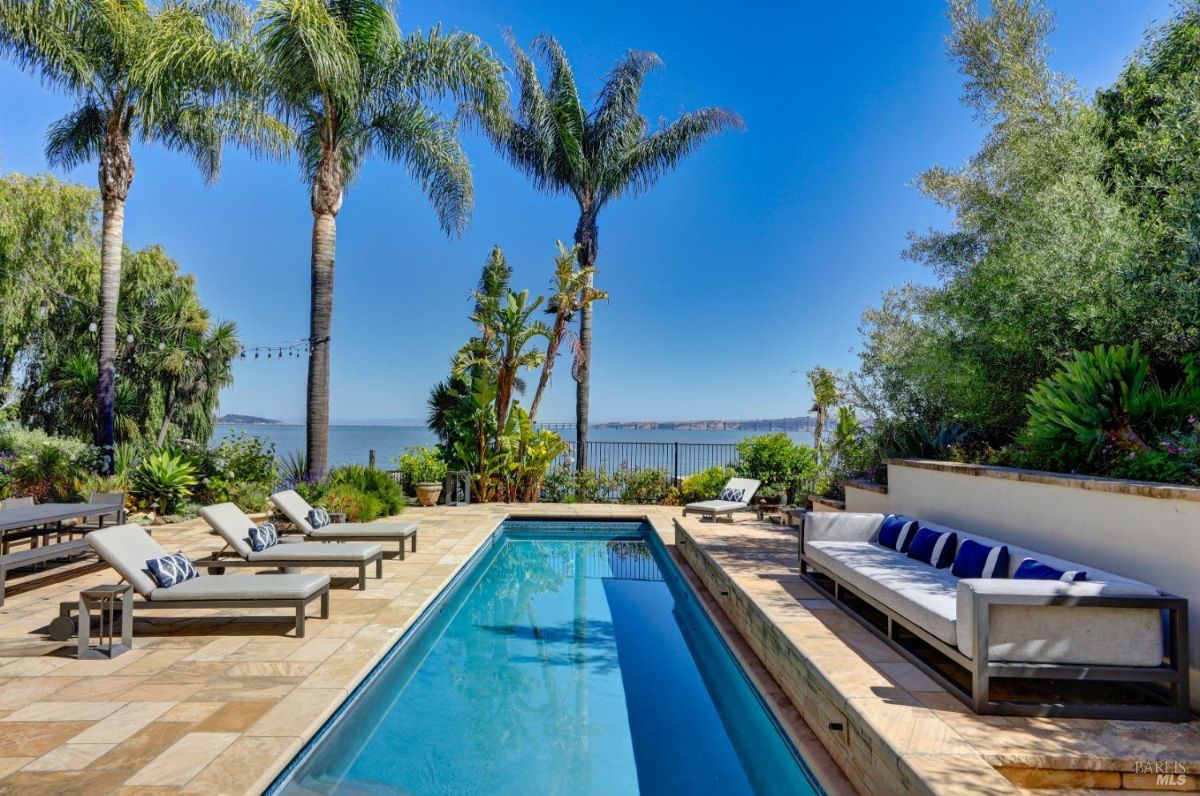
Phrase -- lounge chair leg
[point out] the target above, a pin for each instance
(362, 576)
(379, 568)
(401, 549)
(300, 620)
(325, 604)
(3, 579)
(414, 538)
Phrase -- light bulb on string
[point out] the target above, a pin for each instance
(92, 326)
(129, 338)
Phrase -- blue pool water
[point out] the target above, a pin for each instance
(570, 658)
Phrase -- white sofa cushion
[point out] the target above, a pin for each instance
(925, 596)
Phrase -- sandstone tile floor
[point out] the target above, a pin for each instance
(930, 734)
(219, 701)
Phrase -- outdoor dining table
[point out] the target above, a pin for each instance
(43, 514)
(44, 519)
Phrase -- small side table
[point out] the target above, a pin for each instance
(106, 599)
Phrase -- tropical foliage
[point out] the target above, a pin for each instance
(420, 465)
(164, 479)
(475, 413)
(594, 156)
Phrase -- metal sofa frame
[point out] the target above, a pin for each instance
(1173, 673)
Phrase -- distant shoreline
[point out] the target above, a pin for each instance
(774, 424)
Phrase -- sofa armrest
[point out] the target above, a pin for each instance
(1052, 621)
(841, 526)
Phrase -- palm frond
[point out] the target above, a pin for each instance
(617, 103)
(309, 54)
(657, 154)
(437, 65)
(409, 133)
(77, 137)
(566, 110)
(52, 39)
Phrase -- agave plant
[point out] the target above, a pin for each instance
(1085, 406)
(164, 479)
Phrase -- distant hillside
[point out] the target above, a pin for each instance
(773, 424)
(248, 420)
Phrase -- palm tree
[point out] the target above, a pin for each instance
(572, 288)
(193, 361)
(595, 156)
(515, 330)
(175, 74)
(826, 395)
(349, 84)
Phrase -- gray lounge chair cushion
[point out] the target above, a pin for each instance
(294, 507)
(317, 551)
(244, 587)
(232, 524)
(372, 530)
(127, 548)
(923, 595)
(715, 507)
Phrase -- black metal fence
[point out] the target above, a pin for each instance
(679, 459)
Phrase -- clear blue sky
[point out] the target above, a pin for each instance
(752, 261)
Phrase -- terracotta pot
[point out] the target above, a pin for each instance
(428, 493)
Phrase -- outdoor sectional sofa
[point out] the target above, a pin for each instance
(1105, 628)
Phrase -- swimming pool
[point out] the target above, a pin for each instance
(567, 658)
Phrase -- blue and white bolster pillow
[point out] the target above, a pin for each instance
(1032, 569)
(975, 560)
(897, 532)
(318, 517)
(732, 495)
(170, 570)
(263, 536)
(933, 547)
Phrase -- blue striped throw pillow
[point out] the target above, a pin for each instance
(975, 560)
(170, 570)
(263, 536)
(318, 517)
(897, 532)
(1032, 569)
(933, 547)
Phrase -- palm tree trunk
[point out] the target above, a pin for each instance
(324, 236)
(587, 238)
(112, 244)
(114, 178)
(166, 421)
(551, 354)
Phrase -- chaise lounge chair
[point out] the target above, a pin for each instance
(734, 497)
(234, 527)
(296, 509)
(127, 548)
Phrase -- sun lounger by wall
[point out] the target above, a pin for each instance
(296, 509)
(232, 524)
(127, 548)
(735, 496)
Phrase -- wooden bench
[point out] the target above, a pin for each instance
(37, 555)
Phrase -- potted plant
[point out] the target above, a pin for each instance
(424, 470)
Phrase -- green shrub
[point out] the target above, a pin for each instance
(46, 468)
(650, 486)
(357, 505)
(163, 480)
(562, 485)
(705, 485)
(420, 465)
(370, 481)
(785, 468)
(313, 492)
